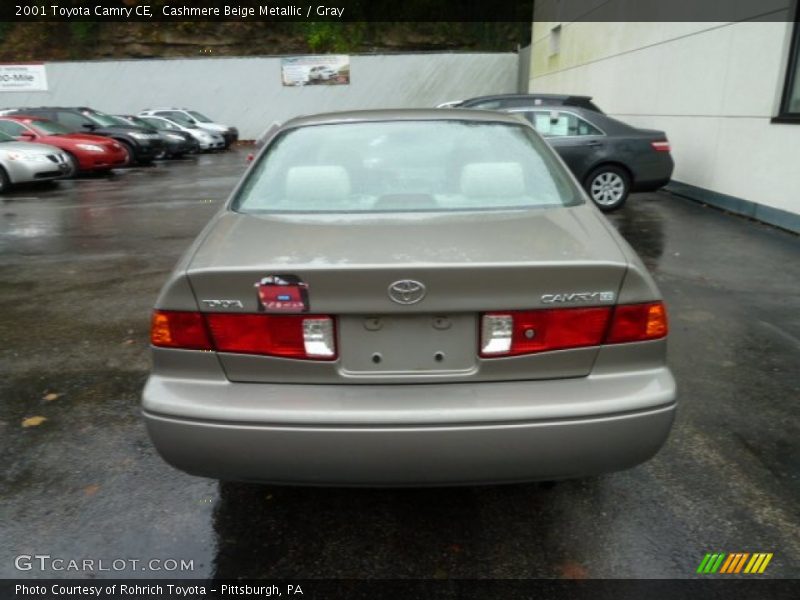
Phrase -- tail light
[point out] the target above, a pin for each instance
(290, 336)
(514, 333)
(638, 322)
(172, 329)
(526, 332)
(661, 146)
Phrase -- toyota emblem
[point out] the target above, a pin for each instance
(406, 291)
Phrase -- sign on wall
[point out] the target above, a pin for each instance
(30, 77)
(332, 69)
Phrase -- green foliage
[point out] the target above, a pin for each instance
(333, 37)
(5, 27)
(82, 32)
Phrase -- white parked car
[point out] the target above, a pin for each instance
(24, 162)
(207, 140)
(192, 117)
(322, 73)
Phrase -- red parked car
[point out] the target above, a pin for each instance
(86, 152)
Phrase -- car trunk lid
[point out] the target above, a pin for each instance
(468, 263)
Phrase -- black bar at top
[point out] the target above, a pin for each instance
(395, 10)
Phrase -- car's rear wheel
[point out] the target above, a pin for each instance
(5, 182)
(608, 187)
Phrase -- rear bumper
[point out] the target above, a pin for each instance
(653, 174)
(265, 439)
(230, 137)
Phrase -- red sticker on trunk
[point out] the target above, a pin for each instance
(283, 294)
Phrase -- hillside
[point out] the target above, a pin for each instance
(88, 40)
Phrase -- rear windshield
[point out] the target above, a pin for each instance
(406, 166)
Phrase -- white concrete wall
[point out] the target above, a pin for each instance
(247, 92)
(713, 87)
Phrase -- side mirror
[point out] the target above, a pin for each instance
(191, 120)
(26, 136)
(89, 126)
(554, 116)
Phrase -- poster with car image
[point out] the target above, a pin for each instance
(332, 69)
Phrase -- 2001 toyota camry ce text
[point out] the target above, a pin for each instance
(408, 298)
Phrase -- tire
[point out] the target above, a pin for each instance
(5, 182)
(74, 166)
(131, 160)
(608, 186)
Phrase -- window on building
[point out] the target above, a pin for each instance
(790, 102)
(555, 40)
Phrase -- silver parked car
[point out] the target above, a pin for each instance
(413, 297)
(206, 140)
(24, 162)
(192, 117)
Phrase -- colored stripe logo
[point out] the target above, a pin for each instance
(735, 562)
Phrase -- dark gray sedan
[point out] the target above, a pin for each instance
(608, 157)
(408, 298)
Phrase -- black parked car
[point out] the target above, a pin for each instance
(506, 101)
(142, 145)
(608, 157)
(176, 143)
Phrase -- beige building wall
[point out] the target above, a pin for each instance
(713, 87)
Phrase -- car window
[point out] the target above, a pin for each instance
(104, 120)
(4, 137)
(12, 128)
(557, 123)
(49, 127)
(178, 117)
(406, 166)
(71, 120)
(173, 114)
(486, 104)
(199, 117)
(159, 123)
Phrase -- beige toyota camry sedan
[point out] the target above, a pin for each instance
(415, 297)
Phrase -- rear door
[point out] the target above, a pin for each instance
(580, 143)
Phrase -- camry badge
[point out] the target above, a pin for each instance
(578, 297)
(406, 291)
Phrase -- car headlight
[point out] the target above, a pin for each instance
(27, 156)
(90, 147)
(174, 136)
(206, 137)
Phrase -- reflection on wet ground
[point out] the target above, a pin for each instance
(81, 264)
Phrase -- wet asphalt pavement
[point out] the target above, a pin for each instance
(81, 264)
